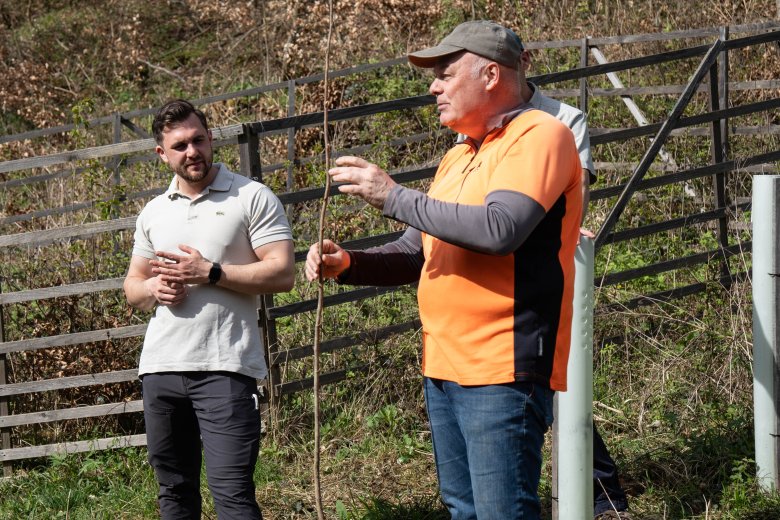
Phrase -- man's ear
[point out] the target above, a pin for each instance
(525, 61)
(161, 153)
(492, 74)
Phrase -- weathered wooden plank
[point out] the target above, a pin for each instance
(62, 290)
(335, 299)
(370, 336)
(308, 194)
(96, 152)
(351, 70)
(671, 294)
(602, 136)
(671, 265)
(62, 210)
(80, 412)
(358, 150)
(72, 447)
(341, 114)
(76, 338)
(68, 172)
(360, 243)
(616, 66)
(99, 152)
(676, 223)
(325, 379)
(137, 130)
(46, 385)
(23, 181)
(693, 173)
(50, 235)
(72, 208)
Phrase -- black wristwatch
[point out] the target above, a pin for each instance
(215, 273)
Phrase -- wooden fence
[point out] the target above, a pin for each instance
(720, 209)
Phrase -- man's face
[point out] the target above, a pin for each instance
(459, 91)
(186, 148)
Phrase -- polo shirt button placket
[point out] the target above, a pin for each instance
(192, 211)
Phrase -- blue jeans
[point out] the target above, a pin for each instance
(487, 441)
(183, 410)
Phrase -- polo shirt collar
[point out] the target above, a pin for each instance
(222, 182)
(503, 120)
(536, 97)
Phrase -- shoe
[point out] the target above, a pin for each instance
(614, 515)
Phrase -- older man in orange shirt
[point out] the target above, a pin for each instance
(492, 245)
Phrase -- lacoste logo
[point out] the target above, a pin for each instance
(220, 213)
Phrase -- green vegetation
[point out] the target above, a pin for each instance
(672, 381)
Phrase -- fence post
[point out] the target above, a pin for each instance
(249, 154)
(116, 178)
(290, 136)
(573, 434)
(766, 327)
(249, 162)
(719, 144)
(584, 47)
(5, 433)
(271, 348)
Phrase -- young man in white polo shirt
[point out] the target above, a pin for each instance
(203, 251)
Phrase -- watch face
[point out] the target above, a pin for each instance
(215, 273)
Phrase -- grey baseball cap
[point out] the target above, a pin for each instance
(483, 37)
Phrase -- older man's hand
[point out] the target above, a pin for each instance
(362, 178)
(333, 261)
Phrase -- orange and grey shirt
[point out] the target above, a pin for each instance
(492, 244)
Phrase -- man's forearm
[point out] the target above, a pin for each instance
(498, 227)
(264, 277)
(394, 263)
(138, 294)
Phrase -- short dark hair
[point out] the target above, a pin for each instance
(174, 112)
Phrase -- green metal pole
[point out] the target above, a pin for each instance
(575, 406)
(766, 318)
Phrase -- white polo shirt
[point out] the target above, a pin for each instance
(573, 118)
(212, 329)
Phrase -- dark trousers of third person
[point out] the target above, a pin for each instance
(608, 495)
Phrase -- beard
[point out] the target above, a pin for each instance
(196, 175)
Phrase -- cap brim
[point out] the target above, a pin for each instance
(429, 57)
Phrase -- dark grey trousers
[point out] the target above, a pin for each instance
(217, 410)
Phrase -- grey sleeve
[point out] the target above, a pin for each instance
(498, 227)
(394, 263)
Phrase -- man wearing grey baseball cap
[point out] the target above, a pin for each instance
(482, 37)
(485, 39)
(492, 245)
